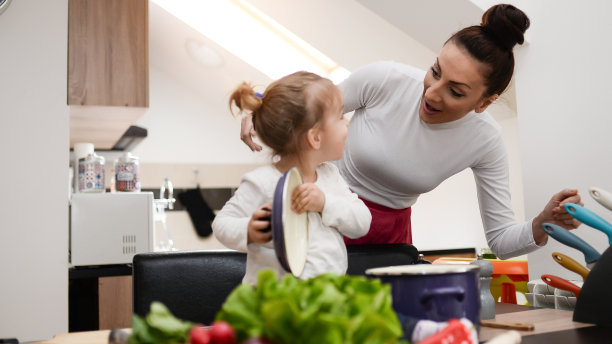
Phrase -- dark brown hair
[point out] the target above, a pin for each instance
(491, 43)
(288, 108)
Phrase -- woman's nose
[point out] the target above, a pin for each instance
(433, 92)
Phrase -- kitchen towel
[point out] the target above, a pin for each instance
(200, 213)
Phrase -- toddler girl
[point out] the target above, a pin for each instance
(300, 118)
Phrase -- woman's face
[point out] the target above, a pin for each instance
(454, 86)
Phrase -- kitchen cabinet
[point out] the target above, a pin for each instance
(108, 68)
(108, 61)
(100, 297)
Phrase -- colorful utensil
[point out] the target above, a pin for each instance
(570, 239)
(589, 218)
(602, 196)
(571, 264)
(561, 283)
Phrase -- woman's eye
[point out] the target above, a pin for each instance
(456, 94)
(435, 73)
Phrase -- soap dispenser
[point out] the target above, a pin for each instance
(487, 302)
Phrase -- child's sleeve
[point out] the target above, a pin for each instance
(231, 223)
(343, 210)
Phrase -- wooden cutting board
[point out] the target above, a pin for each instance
(89, 337)
(544, 319)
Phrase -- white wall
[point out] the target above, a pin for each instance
(563, 95)
(34, 149)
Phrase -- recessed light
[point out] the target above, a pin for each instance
(203, 54)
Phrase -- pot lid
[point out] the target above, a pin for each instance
(422, 269)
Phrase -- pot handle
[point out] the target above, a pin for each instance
(456, 291)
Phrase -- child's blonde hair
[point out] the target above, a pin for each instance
(288, 108)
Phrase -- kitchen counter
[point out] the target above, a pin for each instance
(551, 326)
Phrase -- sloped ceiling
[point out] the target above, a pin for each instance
(351, 32)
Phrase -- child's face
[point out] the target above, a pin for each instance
(334, 128)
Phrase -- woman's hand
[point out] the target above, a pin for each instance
(307, 197)
(247, 132)
(555, 213)
(259, 230)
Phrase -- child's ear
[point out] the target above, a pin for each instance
(313, 137)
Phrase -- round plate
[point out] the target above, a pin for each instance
(289, 229)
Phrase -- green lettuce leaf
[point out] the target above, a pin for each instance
(326, 309)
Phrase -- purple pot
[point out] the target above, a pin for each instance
(434, 292)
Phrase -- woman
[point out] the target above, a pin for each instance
(413, 129)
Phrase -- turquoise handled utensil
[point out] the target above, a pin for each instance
(570, 239)
(589, 218)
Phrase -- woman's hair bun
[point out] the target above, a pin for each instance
(506, 24)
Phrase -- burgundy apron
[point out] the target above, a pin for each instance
(389, 226)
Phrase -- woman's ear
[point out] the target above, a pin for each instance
(484, 104)
(313, 137)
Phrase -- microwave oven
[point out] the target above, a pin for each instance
(110, 228)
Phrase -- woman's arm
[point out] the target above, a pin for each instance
(505, 236)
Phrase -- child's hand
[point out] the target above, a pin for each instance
(307, 197)
(259, 230)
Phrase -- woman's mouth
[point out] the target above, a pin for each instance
(428, 109)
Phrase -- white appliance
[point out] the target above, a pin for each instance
(110, 228)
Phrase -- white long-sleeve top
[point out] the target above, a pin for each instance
(392, 156)
(343, 214)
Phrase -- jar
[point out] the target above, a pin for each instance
(127, 173)
(91, 173)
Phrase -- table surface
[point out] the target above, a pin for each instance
(551, 326)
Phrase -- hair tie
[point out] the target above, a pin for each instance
(258, 94)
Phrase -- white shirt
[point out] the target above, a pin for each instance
(392, 156)
(343, 214)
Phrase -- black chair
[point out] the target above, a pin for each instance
(363, 257)
(192, 284)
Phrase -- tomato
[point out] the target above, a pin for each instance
(199, 335)
(222, 333)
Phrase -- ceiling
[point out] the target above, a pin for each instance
(350, 32)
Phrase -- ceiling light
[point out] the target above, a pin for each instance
(203, 54)
(254, 37)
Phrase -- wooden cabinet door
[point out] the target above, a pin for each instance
(108, 53)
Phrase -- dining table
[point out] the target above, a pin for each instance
(549, 326)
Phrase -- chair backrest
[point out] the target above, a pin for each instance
(363, 257)
(192, 284)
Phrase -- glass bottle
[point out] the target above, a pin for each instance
(127, 173)
(91, 173)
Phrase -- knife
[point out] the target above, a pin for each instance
(571, 264)
(570, 239)
(589, 218)
(561, 283)
(602, 196)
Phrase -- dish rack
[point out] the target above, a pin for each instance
(541, 295)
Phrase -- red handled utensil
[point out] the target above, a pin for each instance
(561, 283)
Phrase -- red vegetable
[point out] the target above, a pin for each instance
(222, 333)
(199, 335)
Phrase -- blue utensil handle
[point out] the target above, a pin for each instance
(570, 239)
(429, 294)
(589, 218)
